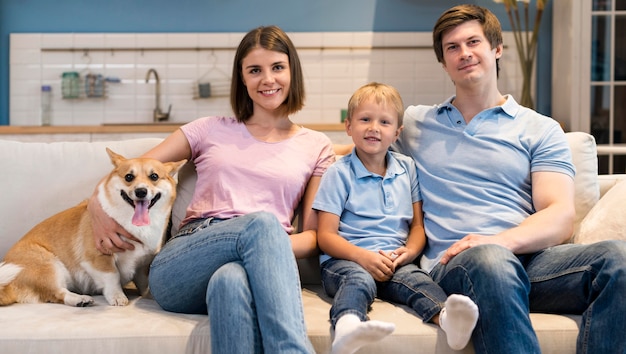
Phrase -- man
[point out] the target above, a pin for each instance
(498, 191)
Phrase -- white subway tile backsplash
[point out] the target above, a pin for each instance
(215, 40)
(120, 40)
(306, 39)
(151, 40)
(182, 40)
(25, 56)
(182, 57)
(57, 40)
(177, 72)
(28, 88)
(234, 39)
(337, 39)
(334, 65)
(89, 40)
(57, 58)
(153, 58)
(122, 58)
(25, 72)
(362, 39)
(25, 41)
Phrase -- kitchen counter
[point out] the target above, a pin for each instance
(123, 128)
(47, 134)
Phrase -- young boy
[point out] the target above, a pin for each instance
(370, 229)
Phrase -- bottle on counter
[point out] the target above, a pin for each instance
(46, 104)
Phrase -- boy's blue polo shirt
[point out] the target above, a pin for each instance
(375, 211)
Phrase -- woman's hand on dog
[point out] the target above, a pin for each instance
(106, 231)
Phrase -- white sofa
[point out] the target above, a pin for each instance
(39, 179)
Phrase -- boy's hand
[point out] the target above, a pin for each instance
(399, 256)
(379, 266)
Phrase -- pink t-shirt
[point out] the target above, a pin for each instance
(238, 174)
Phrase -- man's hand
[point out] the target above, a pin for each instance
(467, 242)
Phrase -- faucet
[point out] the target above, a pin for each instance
(158, 114)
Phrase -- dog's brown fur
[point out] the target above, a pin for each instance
(57, 261)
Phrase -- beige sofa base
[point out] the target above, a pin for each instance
(143, 327)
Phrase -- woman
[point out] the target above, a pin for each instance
(232, 256)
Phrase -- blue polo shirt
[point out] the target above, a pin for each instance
(375, 212)
(476, 177)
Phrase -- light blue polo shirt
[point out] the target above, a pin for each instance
(375, 211)
(476, 177)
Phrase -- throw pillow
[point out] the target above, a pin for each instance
(584, 157)
(607, 219)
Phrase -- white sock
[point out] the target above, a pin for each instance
(351, 333)
(458, 319)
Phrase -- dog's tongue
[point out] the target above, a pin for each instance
(141, 217)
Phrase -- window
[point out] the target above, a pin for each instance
(608, 80)
(589, 68)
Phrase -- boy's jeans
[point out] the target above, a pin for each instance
(354, 289)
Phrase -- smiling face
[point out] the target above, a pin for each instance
(467, 54)
(267, 77)
(373, 126)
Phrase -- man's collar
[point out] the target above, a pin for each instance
(510, 107)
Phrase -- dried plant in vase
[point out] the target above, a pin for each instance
(525, 39)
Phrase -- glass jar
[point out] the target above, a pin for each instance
(70, 84)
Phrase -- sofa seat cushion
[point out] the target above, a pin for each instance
(143, 327)
(140, 327)
(557, 333)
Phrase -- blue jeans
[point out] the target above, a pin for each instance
(243, 273)
(353, 289)
(568, 279)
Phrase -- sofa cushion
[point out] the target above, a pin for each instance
(587, 191)
(143, 327)
(140, 327)
(607, 219)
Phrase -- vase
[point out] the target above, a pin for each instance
(526, 98)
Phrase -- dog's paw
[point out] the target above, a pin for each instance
(119, 300)
(78, 300)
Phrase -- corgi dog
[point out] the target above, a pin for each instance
(57, 260)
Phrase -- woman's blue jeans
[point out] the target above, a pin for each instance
(243, 273)
(353, 289)
(566, 279)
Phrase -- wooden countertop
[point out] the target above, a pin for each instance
(123, 128)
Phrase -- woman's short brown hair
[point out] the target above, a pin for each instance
(270, 38)
(464, 13)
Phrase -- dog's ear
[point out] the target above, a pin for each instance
(174, 167)
(115, 158)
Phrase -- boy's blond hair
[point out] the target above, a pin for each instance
(382, 94)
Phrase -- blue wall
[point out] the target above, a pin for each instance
(28, 16)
